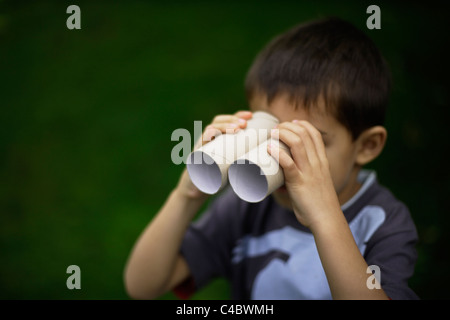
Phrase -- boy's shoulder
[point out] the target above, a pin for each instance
(379, 219)
(374, 196)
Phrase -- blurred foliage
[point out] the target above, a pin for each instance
(87, 116)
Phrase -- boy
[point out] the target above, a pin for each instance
(316, 236)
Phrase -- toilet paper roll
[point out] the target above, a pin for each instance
(208, 166)
(257, 174)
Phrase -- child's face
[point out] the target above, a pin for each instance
(339, 146)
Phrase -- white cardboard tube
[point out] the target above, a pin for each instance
(257, 174)
(208, 166)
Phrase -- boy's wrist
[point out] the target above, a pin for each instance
(188, 199)
(334, 222)
(189, 195)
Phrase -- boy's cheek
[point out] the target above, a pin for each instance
(335, 170)
(339, 175)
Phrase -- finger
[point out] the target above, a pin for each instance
(220, 122)
(316, 138)
(295, 145)
(246, 115)
(221, 118)
(225, 124)
(306, 139)
(291, 171)
(224, 118)
(226, 127)
(243, 116)
(210, 134)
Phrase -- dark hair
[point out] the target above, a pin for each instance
(328, 58)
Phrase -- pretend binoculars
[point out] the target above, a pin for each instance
(241, 159)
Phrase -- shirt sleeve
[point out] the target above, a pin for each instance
(392, 249)
(208, 242)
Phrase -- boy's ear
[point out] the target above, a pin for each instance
(370, 143)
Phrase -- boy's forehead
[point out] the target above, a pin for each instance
(286, 110)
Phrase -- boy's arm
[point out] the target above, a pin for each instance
(155, 265)
(316, 206)
(342, 261)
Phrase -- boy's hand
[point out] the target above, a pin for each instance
(306, 171)
(224, 123)
(221, 124)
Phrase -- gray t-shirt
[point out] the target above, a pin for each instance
(267, 254)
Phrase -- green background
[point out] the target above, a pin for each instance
(87, 116)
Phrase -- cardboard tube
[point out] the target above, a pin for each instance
(257, 174)
(208, 166)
